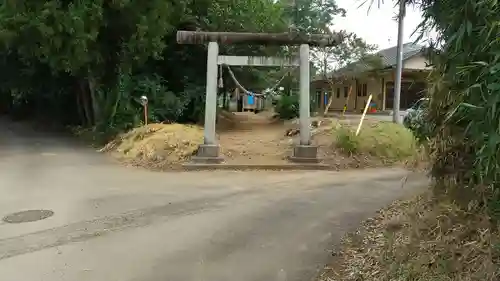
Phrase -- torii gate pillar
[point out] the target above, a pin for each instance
(208, 152)
(304, 152)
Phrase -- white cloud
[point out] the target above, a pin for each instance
(377, 26)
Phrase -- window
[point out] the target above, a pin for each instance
(338, 92)
(346, 92)
(365, 90)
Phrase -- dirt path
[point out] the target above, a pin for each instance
(115, 223)
(256, 138)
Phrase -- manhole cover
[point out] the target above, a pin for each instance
(28, 216)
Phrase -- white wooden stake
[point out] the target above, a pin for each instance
(364, 114)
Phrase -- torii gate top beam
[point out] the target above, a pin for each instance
(199, 37)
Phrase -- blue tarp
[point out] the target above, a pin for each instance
(250, 100)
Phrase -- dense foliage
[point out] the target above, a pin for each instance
(287, 107)
(465, 97)
(95, 58)
(417, 122)
(88, 62)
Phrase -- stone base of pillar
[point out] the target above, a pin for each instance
(207, 154)
(305, 154)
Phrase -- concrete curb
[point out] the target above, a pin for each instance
(240, 167)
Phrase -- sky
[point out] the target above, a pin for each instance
(377, 26)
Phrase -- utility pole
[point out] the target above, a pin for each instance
(396, 117)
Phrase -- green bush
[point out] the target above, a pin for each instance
(347, 141)
(287, 107)
(163, 105)
(122, 110)
(419, 124)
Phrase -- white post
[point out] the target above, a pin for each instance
(364, 114)
(304, 118)
(211, 93)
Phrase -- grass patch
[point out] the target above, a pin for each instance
(420, 240)
(388, 141)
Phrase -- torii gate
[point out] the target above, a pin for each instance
(209, 151)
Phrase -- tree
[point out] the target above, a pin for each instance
(92, 41)
(98, 47)
(311, 16)
(348, 56)
(353, 49)
(87, 62)
(307, 16)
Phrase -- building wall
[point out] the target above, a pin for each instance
(337, 90)
(357, 99)
(360, 89)
(417, 62)
(374, 86)
(340, 98)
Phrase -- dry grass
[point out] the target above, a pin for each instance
(157, 145)
(421, 240)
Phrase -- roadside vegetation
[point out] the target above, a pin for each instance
(385, 141)
(452, 232)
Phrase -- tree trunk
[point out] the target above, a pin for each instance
(96, 112)
(224, 91)
(224, 98)
(288, 85)
(330, 83)
(79, 108)
(87, 113)
(5, 102)
(325, 77)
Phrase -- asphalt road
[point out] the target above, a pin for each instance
(113, 223)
